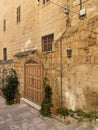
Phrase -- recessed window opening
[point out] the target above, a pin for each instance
(18, 14)
(47, 42)
(4, 54)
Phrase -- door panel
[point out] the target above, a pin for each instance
(33, 82)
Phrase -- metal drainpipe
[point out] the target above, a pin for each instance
(3, 73)
(61, 102)
(80, 4)
(60, 52)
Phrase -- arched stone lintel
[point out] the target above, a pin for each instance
(32, 59)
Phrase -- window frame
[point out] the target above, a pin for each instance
(18, 14)
(47, 41)
(4, 54)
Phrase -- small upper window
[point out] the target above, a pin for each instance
(18, 14)
(4, 25)
(45, 1)
(47, 42)
(4, 54)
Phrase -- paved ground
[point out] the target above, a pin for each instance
(23, 117)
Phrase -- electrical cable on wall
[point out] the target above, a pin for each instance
(64, 7)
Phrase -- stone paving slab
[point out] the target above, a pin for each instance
(83, 128)
(23, 117)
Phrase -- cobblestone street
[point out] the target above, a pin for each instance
(23, 117)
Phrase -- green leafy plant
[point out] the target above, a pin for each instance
(92, 116)
(10, 88)
(80, 113)
(80, 119)
(63, 112)
(46, 103)
(71, 112)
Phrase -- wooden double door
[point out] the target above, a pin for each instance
(33, 83)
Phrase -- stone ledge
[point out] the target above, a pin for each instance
(26, 101)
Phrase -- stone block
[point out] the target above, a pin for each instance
(83, 128)
(77, 2)
(96, 59)
(84, 68)
(75, 20)
(91, 9)
(46, 66)
(51, 128)
(70, 127)
(95, 128)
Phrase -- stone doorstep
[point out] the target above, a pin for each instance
(26, 101)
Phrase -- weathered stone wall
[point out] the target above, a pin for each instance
(36, 21)
(75, 77)
(79, 74)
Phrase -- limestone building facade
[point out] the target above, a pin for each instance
(35, 37)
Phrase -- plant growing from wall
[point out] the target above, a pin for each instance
(78, 115)
(63, 112)
(92, 116)
(10, 88)
(46, 102)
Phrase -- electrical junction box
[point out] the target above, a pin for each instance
(82, 12)
(66, 9)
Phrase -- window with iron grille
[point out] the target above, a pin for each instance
(47, 42)
(18, 14)
(45, 1)
(4, 54)
(4, 25)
